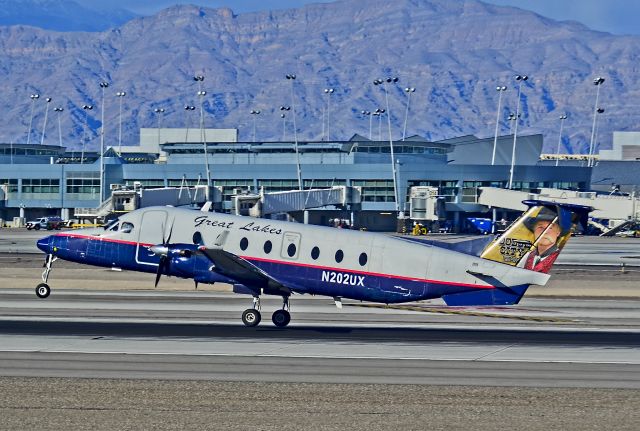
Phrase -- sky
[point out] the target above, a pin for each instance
(613, 16)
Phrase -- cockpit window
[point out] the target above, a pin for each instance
(127, 227)
(114, 228)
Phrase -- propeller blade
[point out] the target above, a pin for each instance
(170, 232)
(159, 273)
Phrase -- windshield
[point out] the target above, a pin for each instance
(111, 223)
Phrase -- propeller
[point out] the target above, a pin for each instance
(162, 250)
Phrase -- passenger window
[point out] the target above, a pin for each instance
(127, 227)
(197, 238)
(315, 253)
(291, 250)
(267, 247)
(244, 243)
(362, 259)
(339, 256)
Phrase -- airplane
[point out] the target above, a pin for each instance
(262, 256)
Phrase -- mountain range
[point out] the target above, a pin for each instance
(62, 15)
(453, 53)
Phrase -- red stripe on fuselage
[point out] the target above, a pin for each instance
(306, 265)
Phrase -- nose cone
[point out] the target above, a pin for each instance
(44, 244)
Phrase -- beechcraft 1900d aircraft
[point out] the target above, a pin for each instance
(259, 256)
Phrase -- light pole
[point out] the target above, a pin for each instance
(512, 118)
(284, 121)
(562, 118)
(255, 113)
(86, 108)
(59, 110)
(103, 86)
(187, 108)
(520, 79)
(408, 90)
(33, 97)
(383, 84)
(328, 92)
(160, 113)
(201, 93)
(378, 113)
(120, 95)
(500, 90)
(291, 78)
(595, 138)
(46, 115)
(368, 114)
(597, 82)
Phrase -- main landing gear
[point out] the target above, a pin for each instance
(43, 290)
(251, 317)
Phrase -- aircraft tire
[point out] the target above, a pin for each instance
(251, 317)
(43, 290)
(281, 318)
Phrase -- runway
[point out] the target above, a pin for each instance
(197, 335)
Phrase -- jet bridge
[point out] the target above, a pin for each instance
(258, 205)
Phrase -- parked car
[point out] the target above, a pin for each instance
(48, 223)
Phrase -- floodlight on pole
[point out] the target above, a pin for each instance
(368, 114)
(597, 82)
(595, 139)
(255, 113)
(160, 113)
(33, 97)
(46, 115)
(103, 85)
(328, 92)
(520, 79)
(201, 93)
(59, 110)
(383, 85)
(378, 113)
(284, 121)
(86, 108)
(187, 108)
(407, 90)
(292, 78)
(500, 89)
(562, 118)
(120, 95)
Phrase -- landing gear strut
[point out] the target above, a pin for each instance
(43, 290)
(281, 318)
(251, 316)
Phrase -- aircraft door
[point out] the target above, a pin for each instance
(290, 245)
(150, 232)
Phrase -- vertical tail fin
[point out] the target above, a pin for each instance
(535, 240)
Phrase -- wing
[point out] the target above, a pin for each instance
(243, 271)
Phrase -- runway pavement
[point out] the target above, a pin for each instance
(101, 334)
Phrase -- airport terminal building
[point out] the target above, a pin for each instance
(37, 180)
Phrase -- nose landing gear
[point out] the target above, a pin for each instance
(43, 290)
